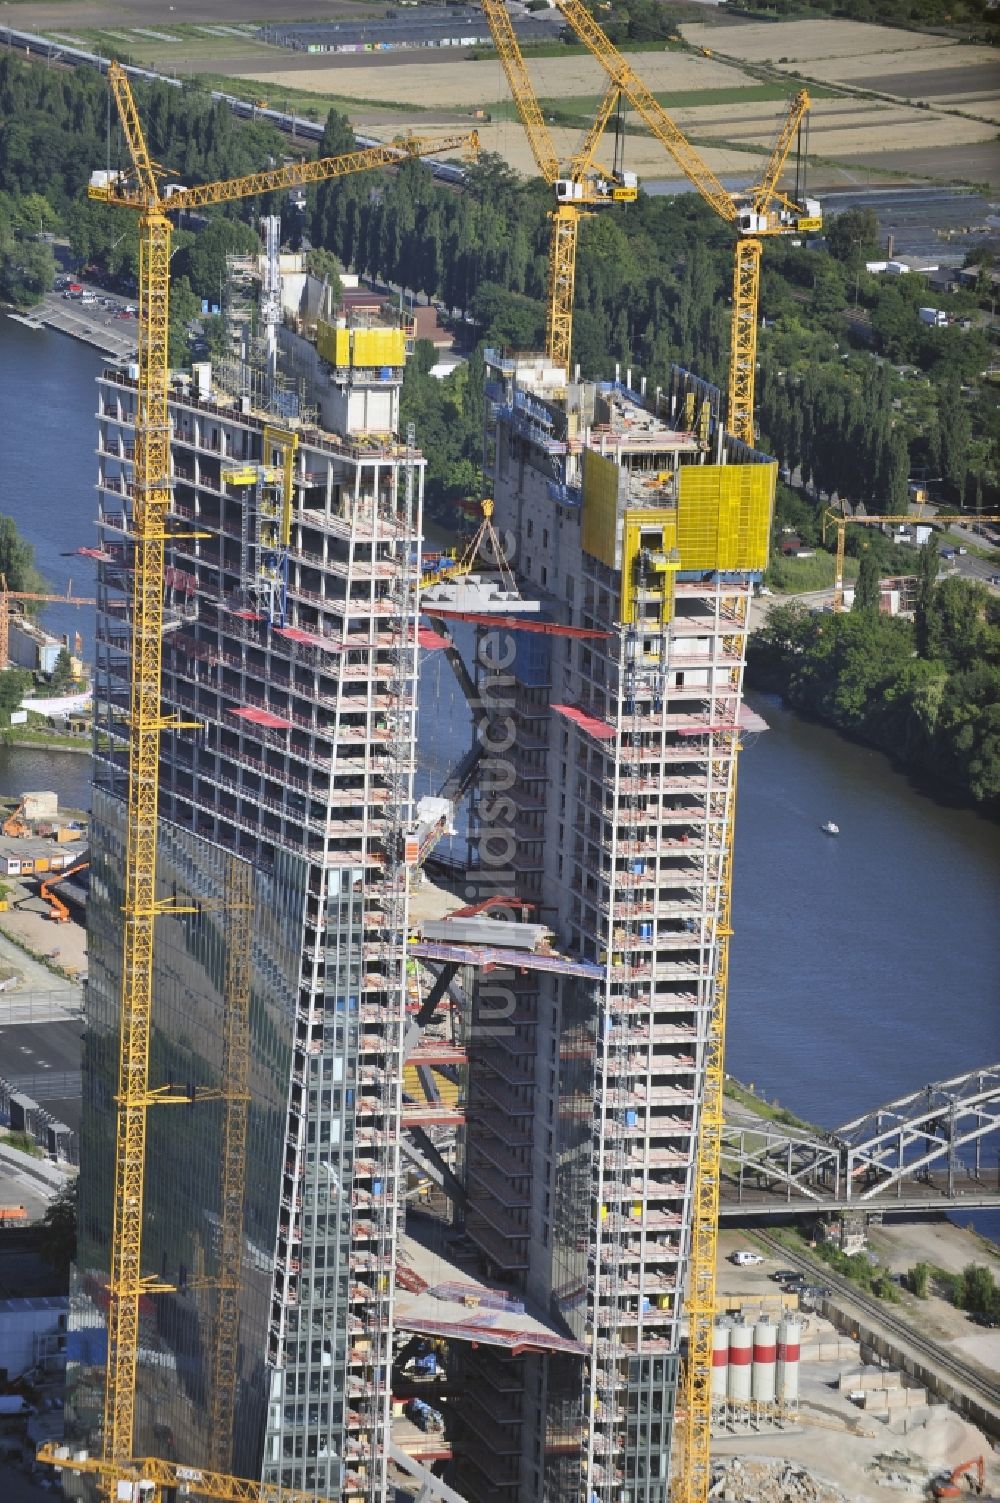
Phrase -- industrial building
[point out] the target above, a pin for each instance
(424, 26)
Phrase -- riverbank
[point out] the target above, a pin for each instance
(92, 325)
(923, 692)
(79, 746)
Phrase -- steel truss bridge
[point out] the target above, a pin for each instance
(937, 1148)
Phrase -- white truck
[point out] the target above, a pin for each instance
(936, 317)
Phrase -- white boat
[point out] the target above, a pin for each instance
(830, 828)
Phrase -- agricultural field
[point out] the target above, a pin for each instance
(886, 103)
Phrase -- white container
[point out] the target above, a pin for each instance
(765, 1339)
(740, 1363)
(787, 1366)
(720, 1361)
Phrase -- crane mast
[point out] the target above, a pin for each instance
(139, 190)
(579, 191)
(839, 520)
(764, 211)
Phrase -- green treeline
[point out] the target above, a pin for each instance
(55, 128)
(926, 691)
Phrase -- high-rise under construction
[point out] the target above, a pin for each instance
(421, 1154)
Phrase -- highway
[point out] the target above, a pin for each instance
(973, 1380)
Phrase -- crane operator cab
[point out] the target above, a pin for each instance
(618, 187)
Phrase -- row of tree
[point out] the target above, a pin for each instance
(926, 691)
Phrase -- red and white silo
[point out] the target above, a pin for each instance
(787, 1367)
(720, 1362)
(740, 1363)
(765, 1340)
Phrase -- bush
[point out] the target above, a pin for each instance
(976, 1290)
(918, 1280)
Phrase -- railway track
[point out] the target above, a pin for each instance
(971, 1379)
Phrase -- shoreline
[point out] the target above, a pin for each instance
(36, 743)
(40, 316)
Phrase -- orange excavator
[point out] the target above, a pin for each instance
(14, 825)
(60, 913)
(973, 1471)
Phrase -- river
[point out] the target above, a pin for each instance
(862, 967)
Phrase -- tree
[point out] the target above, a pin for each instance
(851, 236)
(867, 594)
(17, 559)
(927, 569)
(59, 1229)
(919, 1279)
(14, 685)
(325, 265)
(184, 308)
(203, 262)
(62, 675)
(27, 269)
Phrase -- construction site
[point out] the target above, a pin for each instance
(399, 1153)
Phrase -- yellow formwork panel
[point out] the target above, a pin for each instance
(638, 525)
(379, 347)
(724, 516)
(360, 347)
(326, 340)
(602, 481)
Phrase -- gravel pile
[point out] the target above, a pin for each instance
(770, 1482)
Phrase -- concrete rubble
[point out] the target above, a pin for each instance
(770, 1481)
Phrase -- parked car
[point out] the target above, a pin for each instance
(784, 1275)
(744, 1258)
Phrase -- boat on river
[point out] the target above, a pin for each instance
(830, 828)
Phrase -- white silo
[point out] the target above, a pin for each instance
(765, 1337)
(787, 1366)
(740, 1362)
(720, 1362)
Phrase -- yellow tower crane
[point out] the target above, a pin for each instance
(580, 190)
(138, 189)
(841, 522)
(761, 211)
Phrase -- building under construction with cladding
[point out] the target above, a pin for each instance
(418, 1194)
(639, 524)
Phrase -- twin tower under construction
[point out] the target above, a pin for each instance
(418, 1212)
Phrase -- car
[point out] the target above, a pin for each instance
(984, 1318)
(783, 1275)
(744, 1258)
(817, 1291)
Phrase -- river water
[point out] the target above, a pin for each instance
(862, 967)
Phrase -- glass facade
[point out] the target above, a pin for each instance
(183, 1206)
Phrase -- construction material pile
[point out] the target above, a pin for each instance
(770, 1481)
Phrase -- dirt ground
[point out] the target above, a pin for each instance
(65, 944)
(837, 1441)
(482, 84)
(812, 44)
(973, 163)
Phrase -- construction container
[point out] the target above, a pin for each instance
(765, 1338)
(720, 1361)
(740, 1363)
(787, 1365)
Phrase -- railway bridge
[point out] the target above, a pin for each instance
(935, 1149)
